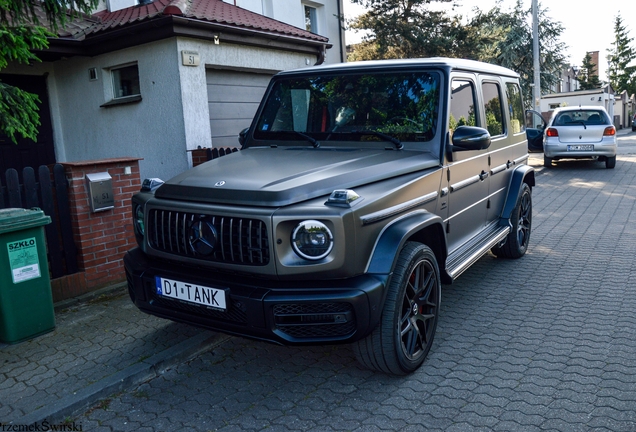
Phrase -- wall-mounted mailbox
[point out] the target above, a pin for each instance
(100, 191)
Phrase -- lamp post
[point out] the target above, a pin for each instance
(535, 54)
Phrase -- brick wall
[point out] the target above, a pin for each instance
(102, 238)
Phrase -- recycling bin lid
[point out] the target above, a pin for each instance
(15, 219)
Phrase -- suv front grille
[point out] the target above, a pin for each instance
(233, 240)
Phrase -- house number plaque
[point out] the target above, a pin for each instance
(190, 58)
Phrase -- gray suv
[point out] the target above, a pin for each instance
(360, 188)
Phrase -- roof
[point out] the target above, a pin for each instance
(441, 62)
(213, 11)
(105, 31)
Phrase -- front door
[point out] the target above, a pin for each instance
(28, 152)
(468, 173)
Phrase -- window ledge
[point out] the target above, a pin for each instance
(122, 101)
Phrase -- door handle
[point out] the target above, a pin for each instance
(483, 175)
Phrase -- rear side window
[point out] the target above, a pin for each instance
(579, 117)
(515, 106)
(493, 108)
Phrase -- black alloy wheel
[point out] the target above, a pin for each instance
(518, 239)
(405, 334)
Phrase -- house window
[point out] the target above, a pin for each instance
(311, 19)
(125, 81)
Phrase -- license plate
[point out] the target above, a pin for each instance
(192, 293)
(586, 147)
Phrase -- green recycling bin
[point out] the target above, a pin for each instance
(26, 303)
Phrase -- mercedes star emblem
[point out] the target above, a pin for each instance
(202, 237)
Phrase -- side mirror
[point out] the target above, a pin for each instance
(242, 136)
(470, 138)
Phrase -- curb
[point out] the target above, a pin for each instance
(124, 379)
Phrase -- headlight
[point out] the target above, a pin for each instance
(139, 220)
(312, 240)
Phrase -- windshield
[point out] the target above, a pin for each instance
(365, 107)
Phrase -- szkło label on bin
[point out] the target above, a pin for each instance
(23, 260)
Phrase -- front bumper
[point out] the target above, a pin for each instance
(290, 313)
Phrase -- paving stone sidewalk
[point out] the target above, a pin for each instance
(101, 345)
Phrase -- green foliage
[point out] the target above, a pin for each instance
(588, 78)
(620, 57)
(22, 33)
(18, 112)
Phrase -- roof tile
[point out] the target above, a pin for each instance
(214, 11)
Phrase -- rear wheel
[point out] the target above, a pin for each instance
(610, 162)
(400, 343)
(547, 161)
(517, 241)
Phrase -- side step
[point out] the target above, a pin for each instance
(462, 258)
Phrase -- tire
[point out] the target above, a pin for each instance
(547, 161)
(404, 336)
(610, 162)
(516, 243)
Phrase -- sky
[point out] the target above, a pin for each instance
(584, 29)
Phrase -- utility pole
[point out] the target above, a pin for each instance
(535, 54)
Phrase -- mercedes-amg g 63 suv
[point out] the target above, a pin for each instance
(359, 190)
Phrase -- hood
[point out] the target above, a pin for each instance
(273, 177)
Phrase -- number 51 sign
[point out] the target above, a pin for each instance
(190, 58)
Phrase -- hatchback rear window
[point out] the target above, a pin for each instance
(587, 117)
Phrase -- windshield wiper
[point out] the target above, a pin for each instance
(312, 140)
(398, 144)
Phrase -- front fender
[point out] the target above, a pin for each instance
(521, 174)
(419, 225)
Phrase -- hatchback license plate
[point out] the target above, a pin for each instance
(192, 293)
(587, 147)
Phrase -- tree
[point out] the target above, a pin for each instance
(588, 77)
(409, 29)
(403, 29)
(509, 44)
(621, 75)
(22, 33)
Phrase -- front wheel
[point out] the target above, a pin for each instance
(404, 336)
(517, 241)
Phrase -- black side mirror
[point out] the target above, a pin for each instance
(242, 136)
(470, 138)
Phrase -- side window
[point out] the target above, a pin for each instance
(493, 108)
(462, 106)
(515, 105)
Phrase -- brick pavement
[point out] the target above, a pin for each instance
(543, 343)
(99, 346)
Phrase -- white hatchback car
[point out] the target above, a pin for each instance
(580, 133)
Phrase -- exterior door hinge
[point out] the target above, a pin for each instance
(447, 227)
(488, 203)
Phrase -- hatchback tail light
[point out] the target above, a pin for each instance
(609, 131)
(552, 132)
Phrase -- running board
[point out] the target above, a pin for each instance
(468, 254)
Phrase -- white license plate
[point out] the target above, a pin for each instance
(587, 147)
(192, 293)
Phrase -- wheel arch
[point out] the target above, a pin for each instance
(522, 174)
(420, 226)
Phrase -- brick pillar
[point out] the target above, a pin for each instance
(102, 238)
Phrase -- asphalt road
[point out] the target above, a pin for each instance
(546, 342)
